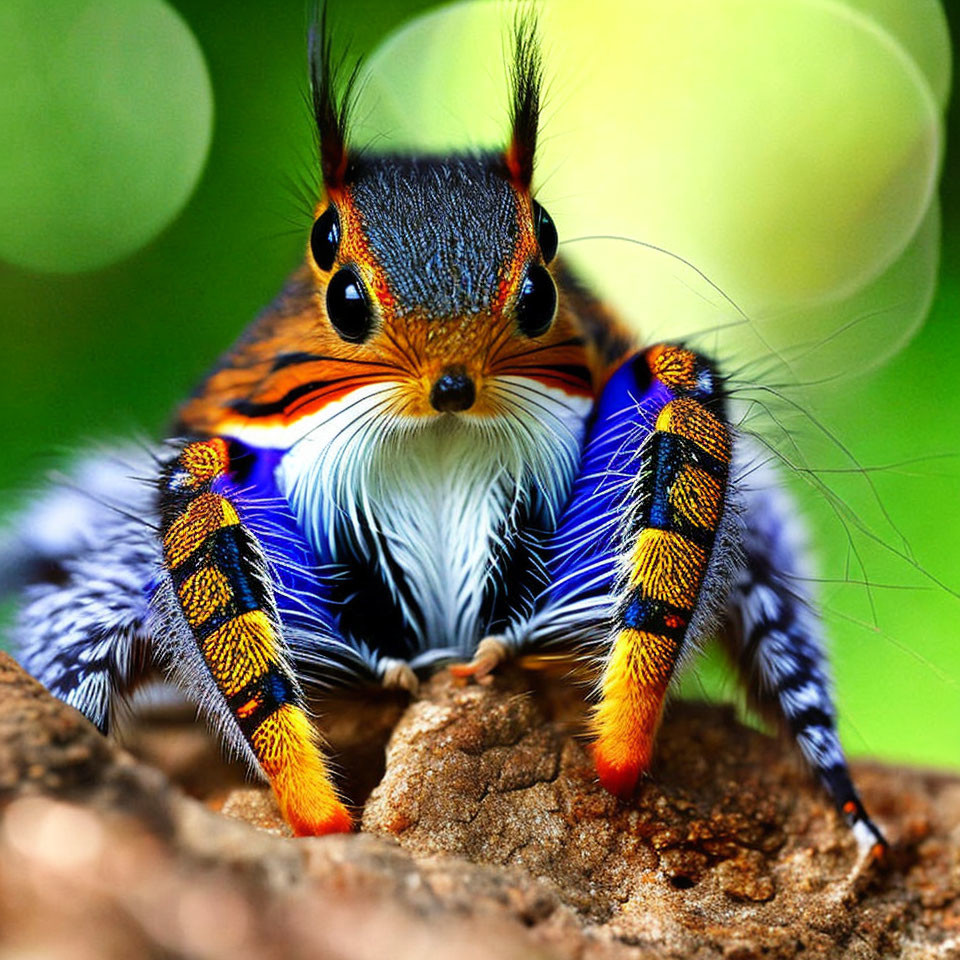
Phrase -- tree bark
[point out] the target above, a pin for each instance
(485, 836)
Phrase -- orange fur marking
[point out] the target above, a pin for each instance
(202, 594)
(286, 746)
(205, 460)
(248, 708)
(688, 418)
(397, 351)
(243, 649)
(517, 167)
(355, 249)
(625, 721)
(673, 366)
(697, 497)
(205, 515)
(525, 249)
(667, 567)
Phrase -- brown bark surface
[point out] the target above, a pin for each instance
(486, 836)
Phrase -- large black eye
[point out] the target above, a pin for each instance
(536, 301)
(325, 237)
(546, 232)
(348, 307)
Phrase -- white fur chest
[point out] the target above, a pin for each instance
(438, 499)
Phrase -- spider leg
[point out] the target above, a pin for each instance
(87, 551)
(777, 642)
(490, 653)
(637, 568)
(673, 511)
(218, 619)
(397, 674)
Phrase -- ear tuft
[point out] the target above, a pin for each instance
(332, 98)
(526, 76)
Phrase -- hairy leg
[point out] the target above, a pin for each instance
(398, 675)
(666, 585)
(85, 554)
(217, 618)
(777, 643)
(639, 564)
(490, 653)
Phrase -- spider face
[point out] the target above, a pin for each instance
(437, 271)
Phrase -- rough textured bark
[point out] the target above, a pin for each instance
(487, 836)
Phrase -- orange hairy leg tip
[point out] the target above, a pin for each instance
(313, 816)
(626, 719)
(287, 748)
(617, 775)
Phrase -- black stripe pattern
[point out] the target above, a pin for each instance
(780, 648)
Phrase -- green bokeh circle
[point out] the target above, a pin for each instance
(106, 118)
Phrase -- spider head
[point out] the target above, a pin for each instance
(437, 272)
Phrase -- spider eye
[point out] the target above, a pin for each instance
(536, 301)
(348, 307)
(325, 238)
(546, 231)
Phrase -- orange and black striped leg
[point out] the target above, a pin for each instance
(220, 623)
(669, 573)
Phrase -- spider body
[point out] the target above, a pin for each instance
(434, 446)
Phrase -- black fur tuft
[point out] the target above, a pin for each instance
(332, 98)
(526, 76)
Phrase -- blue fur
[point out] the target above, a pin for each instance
(584, 552)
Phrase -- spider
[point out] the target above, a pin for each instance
(436, 447)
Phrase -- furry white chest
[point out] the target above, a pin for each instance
(431, 505)
(439, 505)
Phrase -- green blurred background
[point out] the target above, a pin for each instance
(110, 352)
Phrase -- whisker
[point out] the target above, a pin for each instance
(669, 253)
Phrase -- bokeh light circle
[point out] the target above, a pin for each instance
(106, 119)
